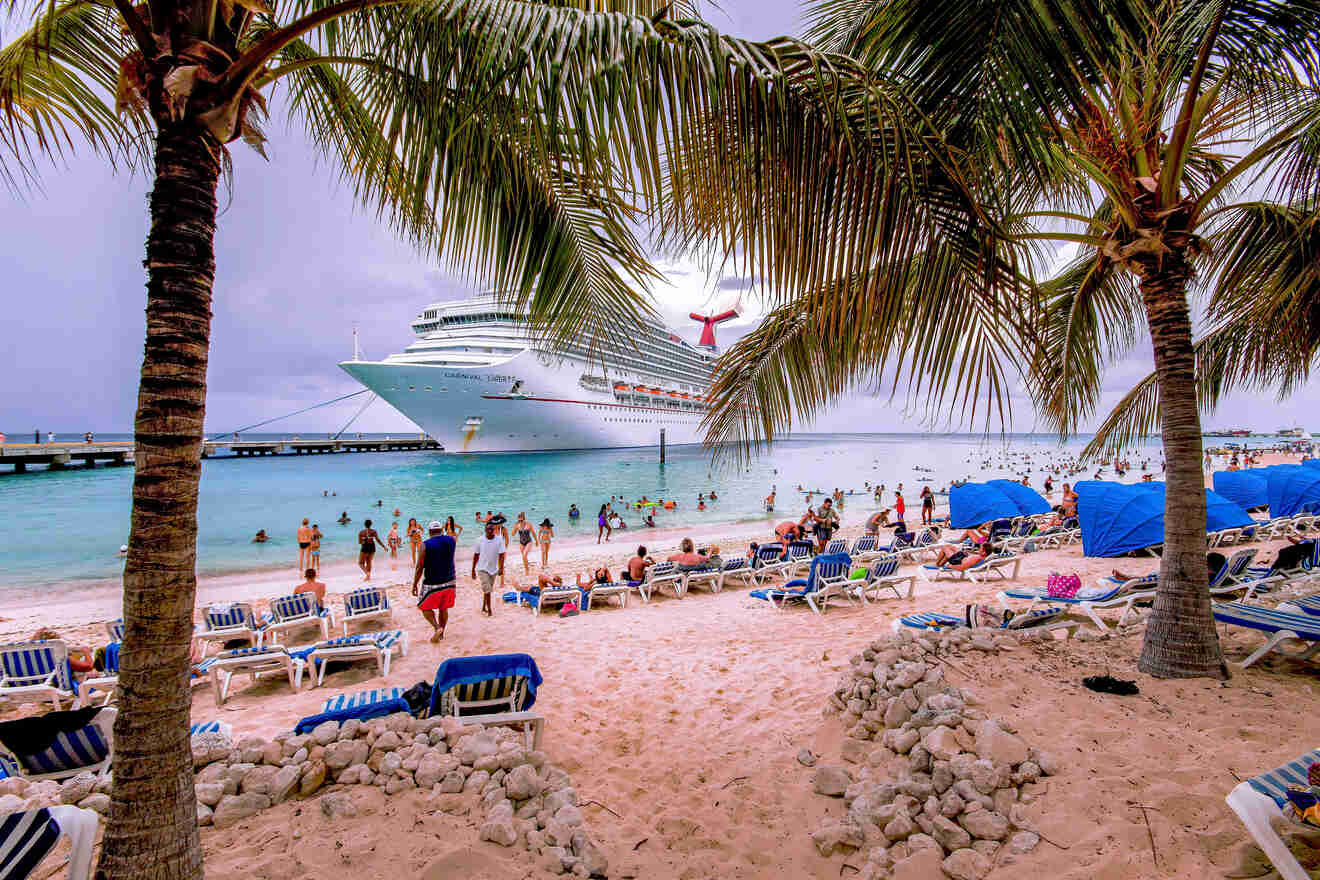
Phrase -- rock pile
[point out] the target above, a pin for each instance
(528, 802)
(957, 803)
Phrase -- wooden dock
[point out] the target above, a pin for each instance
(59, 456)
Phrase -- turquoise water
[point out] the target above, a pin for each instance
(66, 526)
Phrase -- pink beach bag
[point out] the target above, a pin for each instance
(1063, 586)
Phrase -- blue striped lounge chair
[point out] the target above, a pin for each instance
(1263, 798)
(366, 603)
(660, 575)
(497, 689)
(883, 574)
(205, 727)
(864, 549)
(27, 837)
(1037, 619)
(37, 671)
(376, 646)
(616, 590)
(362, 705)
(114, 629)
(88, 749)
(925, 541)
(292, 612)
(826, 579)
(1108, 593)
(253, 662)
(837, 545)
(799, 557)
(1304, 605)
(711, 577)
(994, 564)
(1235, 576)
(538, 598)
(1306, 567)
(770, 561)
(228, 622)
(1280, 625)
(738, 567)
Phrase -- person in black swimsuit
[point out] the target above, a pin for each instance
(367, 541)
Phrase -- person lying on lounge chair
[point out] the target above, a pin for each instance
(1213, 562)
(687, 557)
(599, 576)
(961, 560)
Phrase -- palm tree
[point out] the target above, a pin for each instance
(1174, 145)
(518, 140)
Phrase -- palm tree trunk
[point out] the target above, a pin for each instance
(152, 830)
(1181, 641)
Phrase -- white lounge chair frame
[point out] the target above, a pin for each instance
(251, 632)
(608, 591)
(874, 583)
(103, 722)
(659, 575)
(223, 669)
(366, 650)
(379, 610)
(324, 619)
(1257, 812)
(41, 686)
(79, 826)
(1126, 598)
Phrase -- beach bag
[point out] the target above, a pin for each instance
(1063, 586)
(418, 698)
(568, 609)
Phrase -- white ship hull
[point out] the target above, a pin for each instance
(470, 409)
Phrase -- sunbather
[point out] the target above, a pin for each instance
(687, 558)
(1213, 562)
(599, 576)
(958, 559)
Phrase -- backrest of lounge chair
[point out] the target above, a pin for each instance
(1238, 562)
(1306, 626)
(864, 544)
(827, 565)
(115, 630)
(884, 566)
(799, 550)
(365, 600)
(1275, 783)
(27, 663)
(293, 607)
(362, 698)
(208, 727)
(768, 553)
(661, 569)
(735, 564)
(26, 838)
(481, 685)
(69, 751)
(229, 616)
(838, 545)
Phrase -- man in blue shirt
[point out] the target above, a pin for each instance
(435, 570)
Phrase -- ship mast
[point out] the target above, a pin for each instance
(356, 353)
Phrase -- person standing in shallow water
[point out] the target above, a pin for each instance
(304, 545)
(368, 540)
(435, 570)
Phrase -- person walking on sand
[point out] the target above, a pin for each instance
(314, 549)
(526, 538)
(900, 506)
(304, 545)
(435, 570)
(395, 543)
(927, 506)
(367, 542)
(487, 562)
(544, 535)
(603, 523)
(414, 538)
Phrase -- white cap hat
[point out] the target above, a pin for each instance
(435, 526)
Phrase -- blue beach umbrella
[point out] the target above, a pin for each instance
(972, 504)
(1244, 488)
(1293, 489)
(1311, 462)
(1117, 518)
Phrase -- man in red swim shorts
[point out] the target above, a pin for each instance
(435, 570)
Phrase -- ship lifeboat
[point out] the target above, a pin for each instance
(674, 394)
(620, 386)
(685, 396)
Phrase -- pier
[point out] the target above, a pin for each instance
(59, 456)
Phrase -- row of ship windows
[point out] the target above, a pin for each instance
(424, 388)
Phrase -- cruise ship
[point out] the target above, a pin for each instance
(477, 381)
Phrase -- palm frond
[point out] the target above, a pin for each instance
(58, 85)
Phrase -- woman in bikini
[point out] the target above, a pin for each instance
(368, 539)
(395, 543)
(603, 523)
(544, 535)
(414, 538)
(453, 529)
(526, 538)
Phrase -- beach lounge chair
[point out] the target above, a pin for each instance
(800, 554)
(827, 578)
(204, 727)
(1304, 605)
(770, 562)
(1235, 576)
(362, 705)
(253, 662)
(1109, 593)
(883, 575)
(498, 689)
(106, 684)
(837, 545)
(660, 575)
(1263, 798)
(739, 567)
(537, 598)
(27, 837)
(292, 612)
(994, 564)
(37, 671)
(1306, 567)
(228, 622)
(864, 549)
(1280, 625)
(923, 542)
(1036, 620)
(606, 591)
(366, 603)
(115, 629)
(75, 741)
(376, 646)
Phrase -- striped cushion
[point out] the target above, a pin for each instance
(929, 619)
(864, 544)
(362, 698)
(69, 751)
(115, 629)
(295, 607)
(735, 564)
(885, 567)
(205, 727)
(366, 600)
(228, 616)
(1277, 781)
(383, 640)
(1266, 619)
(268, 651)
(511, 687)
(27, 663)
(25, 839)
(1309, 604)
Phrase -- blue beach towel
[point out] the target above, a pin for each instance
(370, 704)
(458, 671)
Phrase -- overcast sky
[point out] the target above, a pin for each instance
(298, 266)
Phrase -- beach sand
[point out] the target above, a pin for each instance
(680, 722)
